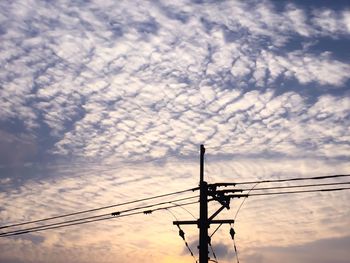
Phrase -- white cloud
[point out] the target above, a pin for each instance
(125, 82)
(110, 53)
(328, 22)
(298, 18)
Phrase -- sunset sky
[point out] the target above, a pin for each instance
(104, 102)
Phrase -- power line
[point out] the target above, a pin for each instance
(183, 209)
(296, 186)
(48, 227)
(284, 180)
(269, 188)
(182, 233)
(304, 191)
(280, 187)
(232, 232)
(99, 208)
(290, 192)
(240, 206)
(212, 251)
(118, 213)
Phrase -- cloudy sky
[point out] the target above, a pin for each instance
(103, 102)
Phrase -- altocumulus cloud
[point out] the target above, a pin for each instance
(124, 83)
(149, 79)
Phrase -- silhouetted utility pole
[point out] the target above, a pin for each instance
(203, 211)
(204, 222)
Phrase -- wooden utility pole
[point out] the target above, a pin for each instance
(203, 212)
(204, 222)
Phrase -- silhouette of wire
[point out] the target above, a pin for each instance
(236, 250)
(181, 232)
(175, 217)
(289, 192)
(216, 229)
(98, 216)
(211, 247)
(285, 180)
(83, 221)
(295, 186)
(280, 187)
(232, 234)
(213, 252)
(182, 235)
(237, 210)
(271, 188)
(99, 208)
(235, 217)
(304, 191)
(183, 209)
(242, 203)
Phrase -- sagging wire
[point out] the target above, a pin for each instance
(212, 251)
(97, 209)
(182, 234)
(215, 230)
(245, 198)
(232, 233)
(209, 238)
(183, 209)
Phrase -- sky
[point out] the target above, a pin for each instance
(103, 102)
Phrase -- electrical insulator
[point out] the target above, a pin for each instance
(182, 234)
(232, 233)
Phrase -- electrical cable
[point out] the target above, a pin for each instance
(118, 213)
(284, 180)
(289, 192)
(182, 235)
(236, 211)
(211, 247)
(183, 209)
(232, 234)
(295, 186)
(181, 232)
(280, 187)
(242, 203)
(175, 217)
(212, 250)
(99, 208)
(43, 228)
(304, 191)
(236, 250)
(270, 188)
(216, 230)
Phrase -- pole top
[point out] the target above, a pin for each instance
(202, 151)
